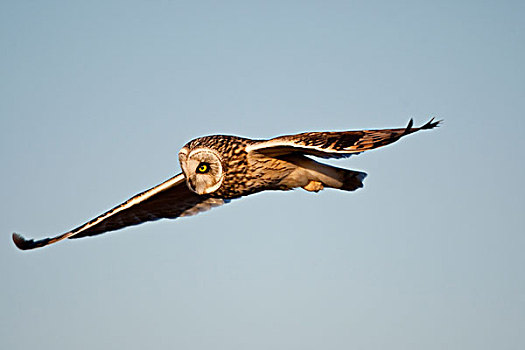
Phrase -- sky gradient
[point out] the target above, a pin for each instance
(99, 96)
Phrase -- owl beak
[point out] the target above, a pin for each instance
(191, 185)
(200, 188)
(197, 188)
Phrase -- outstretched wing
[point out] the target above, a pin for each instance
(336, 144)
(170, 199)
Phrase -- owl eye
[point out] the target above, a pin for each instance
(203, 168)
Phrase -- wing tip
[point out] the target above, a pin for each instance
(22, 243)
(431, 124)
(408, 128)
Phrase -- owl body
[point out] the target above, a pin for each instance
(236, 171)
(218, 168)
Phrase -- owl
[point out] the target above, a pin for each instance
(219, 168)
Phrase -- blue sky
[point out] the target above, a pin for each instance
(98, 97)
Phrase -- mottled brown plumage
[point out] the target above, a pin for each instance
(219, 168)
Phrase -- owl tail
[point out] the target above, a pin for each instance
(342, 179)
(352, 180)
(317, 176)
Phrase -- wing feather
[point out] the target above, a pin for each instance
(335, 144)
(170, 199)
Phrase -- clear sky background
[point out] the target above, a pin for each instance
(97, 97)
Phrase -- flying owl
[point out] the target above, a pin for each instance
(218, 168)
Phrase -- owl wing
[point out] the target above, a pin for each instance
(170, 199)
(337, 144)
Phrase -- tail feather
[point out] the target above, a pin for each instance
(352, 180)
(314, 176)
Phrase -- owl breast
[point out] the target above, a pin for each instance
(251, 173)
(238, 180)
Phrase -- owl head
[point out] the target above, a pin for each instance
(202, 168)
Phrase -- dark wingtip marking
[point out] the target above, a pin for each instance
(432, 124)
(410, 124)
(408, 129)
(23, 243)
(429, 125)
